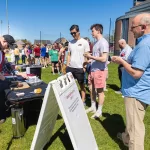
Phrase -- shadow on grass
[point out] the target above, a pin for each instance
(59, 117)
(32, 113)
(113, 124)
(88, 100)
(87, 88)
(9, 144)
(113, 87)
(64, 137)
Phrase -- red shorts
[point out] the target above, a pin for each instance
(98, 78)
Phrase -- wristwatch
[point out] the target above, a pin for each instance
(16, 72)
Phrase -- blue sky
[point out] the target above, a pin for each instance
(28, 17)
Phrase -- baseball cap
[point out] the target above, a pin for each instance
(10, 40)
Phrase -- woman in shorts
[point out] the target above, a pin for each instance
(53, 53)
(37, 53)
(43, 53)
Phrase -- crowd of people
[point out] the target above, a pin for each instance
(31, 54)
(42, 54)
(81, 60)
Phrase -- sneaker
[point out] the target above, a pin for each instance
(96, 115)
(84, 103)
(53, 73)
(119, 136)
(91, 109)
(118, 92)
(2, 121)
(122, 96)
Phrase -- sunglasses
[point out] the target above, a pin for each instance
(73, 33)
(132, 27)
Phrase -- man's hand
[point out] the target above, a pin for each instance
(134, 72)
(24, 75)
(89, 61)
(84, 66)
(117, 59)
(87, 55)
(2, 77)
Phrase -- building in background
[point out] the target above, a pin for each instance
(61, 40)
(123, 24)
(48, 42)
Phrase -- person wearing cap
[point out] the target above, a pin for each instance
(6, 42)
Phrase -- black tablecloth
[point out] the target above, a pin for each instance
(29, 93)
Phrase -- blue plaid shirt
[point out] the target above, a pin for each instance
(7, 68)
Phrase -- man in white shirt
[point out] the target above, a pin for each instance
(76, 48)
(125, 52)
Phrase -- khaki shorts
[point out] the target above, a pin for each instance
(98, 78)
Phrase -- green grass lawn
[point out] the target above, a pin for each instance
(105, 129)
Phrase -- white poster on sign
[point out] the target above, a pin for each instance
(73, 112)
(46, 121)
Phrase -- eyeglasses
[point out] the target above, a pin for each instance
(73, 33)
(132, 27)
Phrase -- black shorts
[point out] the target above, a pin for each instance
(46, 55)
(78, 73)
(37, 56)
(54, 62)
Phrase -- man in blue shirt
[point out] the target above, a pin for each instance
(136, 83)
(43, 54)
